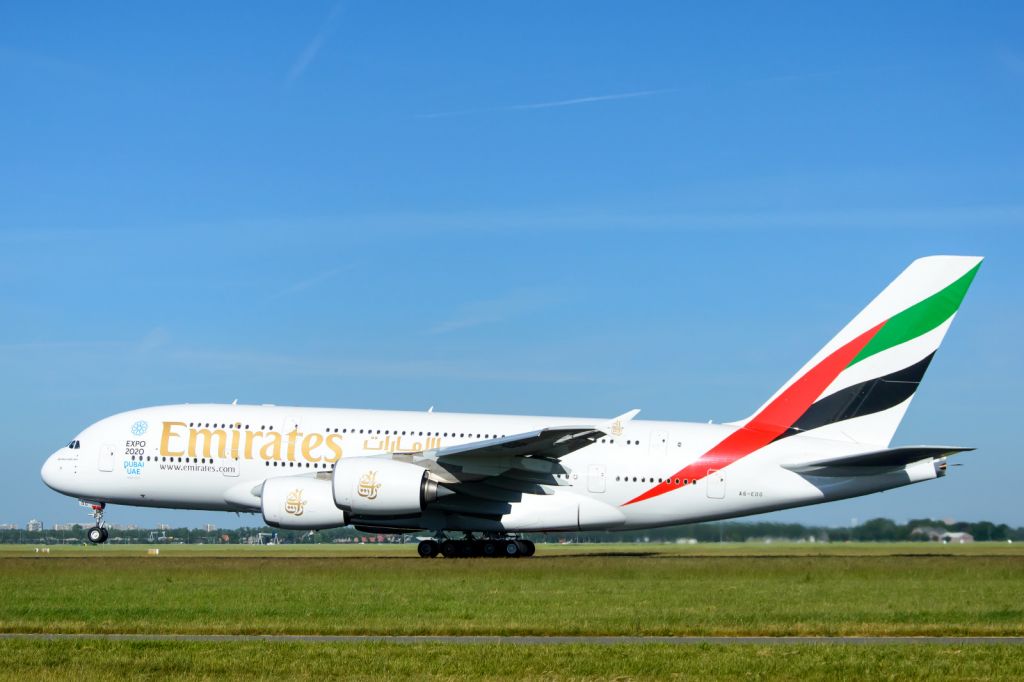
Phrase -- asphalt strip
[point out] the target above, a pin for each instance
(516, 639)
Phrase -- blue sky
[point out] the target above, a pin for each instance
(576, 209)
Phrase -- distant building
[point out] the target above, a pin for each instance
(932, 533)
(210, 528)
(163, 526)
(8, 526)
(948, 537)
(34, 525)
(64, 526)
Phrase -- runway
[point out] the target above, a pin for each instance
(519, 639)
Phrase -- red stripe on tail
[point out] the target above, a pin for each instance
(769, 423)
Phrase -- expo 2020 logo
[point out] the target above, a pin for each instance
(139, 428)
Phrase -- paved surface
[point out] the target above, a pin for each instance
(493, 639)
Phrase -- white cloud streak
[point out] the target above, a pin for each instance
(547, 105)
(367, 366)
(312, 49)
(495, 310)
(307, 283)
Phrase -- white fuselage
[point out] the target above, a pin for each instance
(215, 457)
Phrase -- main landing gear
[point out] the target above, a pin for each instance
(97, 535)
(491, 547)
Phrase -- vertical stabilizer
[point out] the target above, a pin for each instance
(859, 385)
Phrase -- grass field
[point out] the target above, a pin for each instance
(100, 660)
(915, 589)
(750, 589)
(546, 550)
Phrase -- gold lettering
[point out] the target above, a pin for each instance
(368, 485)
(311, 442)
(249, 436)
(291, 444)
(334, 443)
(271, 450)
(235, 435)
(294, 504)
(165, 440)
(207, 436)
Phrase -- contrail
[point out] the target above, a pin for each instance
(307, 55)
(548, 105)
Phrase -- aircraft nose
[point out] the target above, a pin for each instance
(50, 472)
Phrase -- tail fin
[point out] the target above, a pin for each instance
(859, 385)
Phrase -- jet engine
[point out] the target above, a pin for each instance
(368, 486)
(300, 503)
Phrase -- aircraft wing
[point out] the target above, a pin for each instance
(889, 457)
(532, 451)
(485, 477)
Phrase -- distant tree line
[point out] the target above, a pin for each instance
(875, 530)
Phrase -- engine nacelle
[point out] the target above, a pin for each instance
(300, 503)
(368, 486)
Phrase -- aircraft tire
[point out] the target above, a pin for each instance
(427, 549)
(511, 549)
(96, 535)
(527, 547)
(450, 549)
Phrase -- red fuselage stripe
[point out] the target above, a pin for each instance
(769, 423)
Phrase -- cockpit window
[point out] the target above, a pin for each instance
(74, 445)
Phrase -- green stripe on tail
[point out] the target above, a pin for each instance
(919, 318)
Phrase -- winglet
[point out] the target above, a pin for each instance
(614, 427)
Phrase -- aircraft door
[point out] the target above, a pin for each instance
(596, 478)
(105, 462)
(716, 484)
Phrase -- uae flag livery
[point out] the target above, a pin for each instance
(858, 387)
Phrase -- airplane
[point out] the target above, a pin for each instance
(824, 435)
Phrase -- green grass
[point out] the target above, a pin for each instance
(602, 590)
(102, 660)
(653, 549)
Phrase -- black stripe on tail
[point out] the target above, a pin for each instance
(858, 400)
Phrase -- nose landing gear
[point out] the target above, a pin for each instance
(98, 534)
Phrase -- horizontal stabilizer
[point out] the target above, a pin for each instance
(889, 457)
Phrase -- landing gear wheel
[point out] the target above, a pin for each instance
(450, 549)
(511, 549)
(527, 547)
(490, 548)
(97, 535)
(428, 549)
